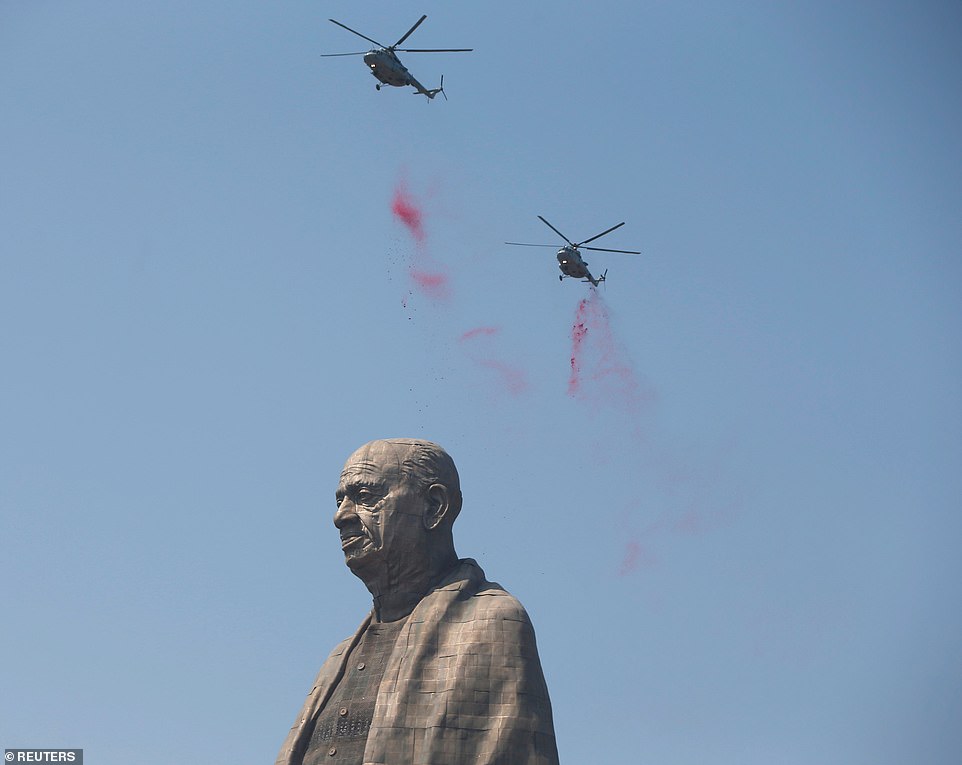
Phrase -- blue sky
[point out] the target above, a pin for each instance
(737, 537)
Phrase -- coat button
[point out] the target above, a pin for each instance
(332, 751)
(361, 665)
(342, 711)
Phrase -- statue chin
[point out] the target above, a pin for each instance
(365, 564)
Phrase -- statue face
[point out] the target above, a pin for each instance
(379, 511)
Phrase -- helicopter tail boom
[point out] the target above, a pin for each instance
(595, 282)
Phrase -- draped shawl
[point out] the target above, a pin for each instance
(463, 684)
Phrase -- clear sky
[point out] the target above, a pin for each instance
(735, 521)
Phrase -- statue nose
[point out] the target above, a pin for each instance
(344, 511)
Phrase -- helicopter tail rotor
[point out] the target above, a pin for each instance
(434, 91)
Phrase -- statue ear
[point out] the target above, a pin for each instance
(438, 506)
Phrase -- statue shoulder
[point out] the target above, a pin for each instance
(496, 602)
(477, 598)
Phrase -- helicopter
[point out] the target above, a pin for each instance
(569, 258)
(387, 67)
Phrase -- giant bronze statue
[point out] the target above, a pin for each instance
(445, 669)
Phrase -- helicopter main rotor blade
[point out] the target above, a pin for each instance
(598, 236)
(434, 50)
(525, 244)
(557, 232)
(416, 25)
(605, 249)
(357, 53)
(345, 26)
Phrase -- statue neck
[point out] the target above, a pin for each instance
(395, 598)
(392, 606)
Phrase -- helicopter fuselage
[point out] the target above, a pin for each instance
(572, 264)
(387, 68)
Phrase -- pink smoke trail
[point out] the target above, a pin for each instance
(578, 332)
(638, 546)
(485, 354)
(405, 209)
(434, 285)
(600, 369)
(425, 274)
(478, 332)
(693, 500)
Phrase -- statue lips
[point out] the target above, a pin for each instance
(353, 542)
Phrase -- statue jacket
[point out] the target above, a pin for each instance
(463, 684)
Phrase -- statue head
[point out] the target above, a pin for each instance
(396, 503)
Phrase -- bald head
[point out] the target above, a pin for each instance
(424, 463)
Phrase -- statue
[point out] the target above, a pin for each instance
(445, 668)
